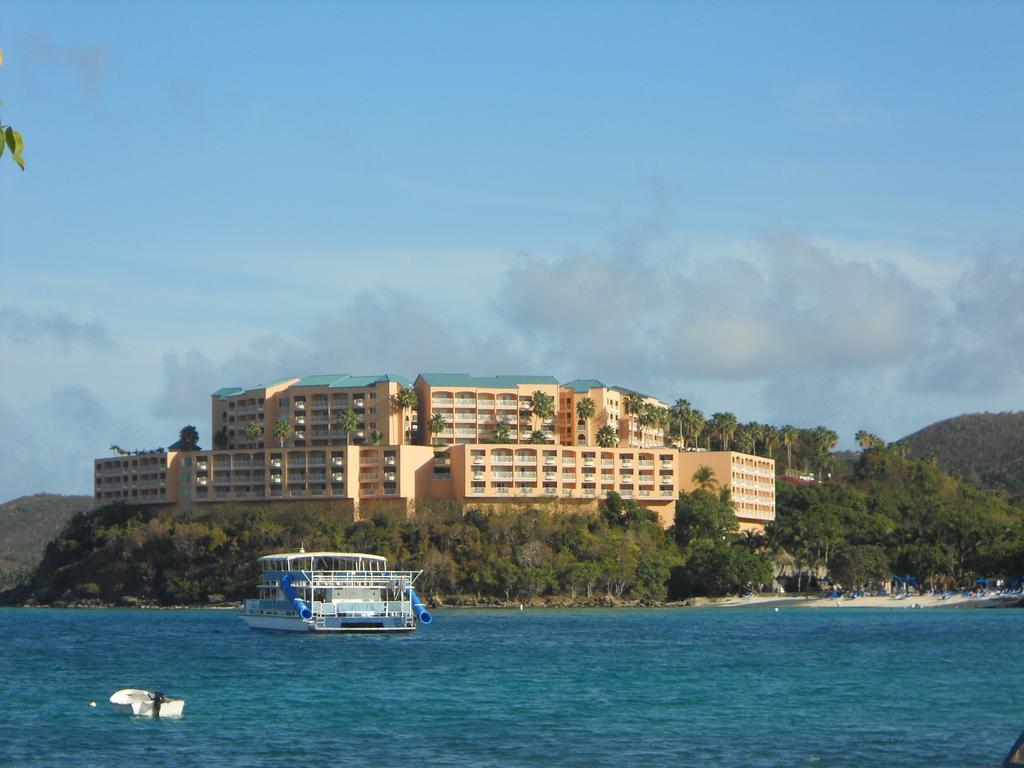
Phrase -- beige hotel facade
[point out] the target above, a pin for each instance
(320, 463)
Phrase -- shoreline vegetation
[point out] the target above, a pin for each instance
(885, 523)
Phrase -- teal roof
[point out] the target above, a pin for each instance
(229, 391)
(582, 386)
(318, 380)
(625, 391)
(339, 380)
(486, 382)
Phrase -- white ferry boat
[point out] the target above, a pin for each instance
(334, 592)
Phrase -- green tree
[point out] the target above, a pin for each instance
(717, 568)
(607, 437)
(633, 403)
(438, 424)
(347, 422)
(502, 432)
(220, 439)
(705, 478)
(376, 437)
(858, 566)
(281, 431)
(789, 438)
(723, 425)
(585, 410)
(543, 407)
(189, 438)
(403, 401)
(703, 515)
(680, 412)
(254, 431)
(539, 437)
(10, 139)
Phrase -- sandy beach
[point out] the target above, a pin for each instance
(911, 601)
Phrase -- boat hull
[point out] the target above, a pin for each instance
(326, 625)
(135, 701)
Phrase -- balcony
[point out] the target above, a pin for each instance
(358, 403)
(667, 465)
(300, 406)
(464, 403)
(568, 462)
(501, 474)
(646, 463)
(300, 420)
(275, 463)
(550, 476)
(607, 462)
(550, 491)
(275, 479)
(526, 475)
(479, 476)
(337, 461)
(568, 477)
(501, 459)
(478, 460)
(441, 402)
(338, 477)
(201, 481)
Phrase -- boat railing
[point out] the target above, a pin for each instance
(319, 579)
(343, 609)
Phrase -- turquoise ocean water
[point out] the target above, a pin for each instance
(660, 687)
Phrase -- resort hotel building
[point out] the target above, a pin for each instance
(350, 441)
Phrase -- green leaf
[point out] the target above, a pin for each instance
(15, 143)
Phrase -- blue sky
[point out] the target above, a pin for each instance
(804, 213)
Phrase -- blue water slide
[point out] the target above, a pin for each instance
(300, 605)
(418, 607)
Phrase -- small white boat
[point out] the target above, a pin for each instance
(142, 703)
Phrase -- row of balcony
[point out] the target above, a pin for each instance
(566, 492)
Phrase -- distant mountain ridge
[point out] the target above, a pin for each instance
(28, 524)
(987, 449)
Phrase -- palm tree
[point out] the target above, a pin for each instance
(607, 437)
(789, 436)
(633, 403)
(769, 435)
(375, 437)
(694, 425)
(438, 424)
(744, 440)
(538, 437)
(402, 401)
(502, 432)
(347, 422)
(220, 439)
(756, 432)
(647, 418)
(543, 407)
(189, 437)
(723, 426)
(704, 478)
(281, 431)
(585, 410)
(680, 410)
(254, 431)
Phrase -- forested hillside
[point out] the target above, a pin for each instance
(987, 449)
(27, 524)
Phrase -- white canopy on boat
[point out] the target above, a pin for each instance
(355, 555)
